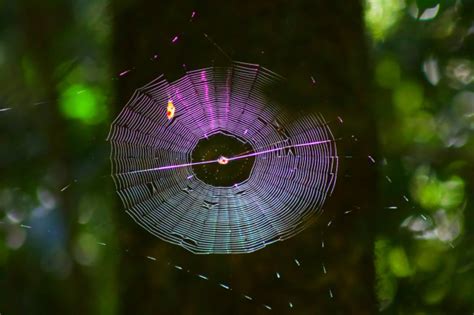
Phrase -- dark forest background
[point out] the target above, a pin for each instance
(398, 233)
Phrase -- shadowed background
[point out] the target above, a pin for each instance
(400, 75)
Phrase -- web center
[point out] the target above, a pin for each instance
(222, 160)
(222, 147)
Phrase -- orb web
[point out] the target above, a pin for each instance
(293, 171)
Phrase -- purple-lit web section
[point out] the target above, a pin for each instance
(295, 166)
(224, 160)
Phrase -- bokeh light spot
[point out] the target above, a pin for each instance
(382, 15)
(433, 193)
(420, 127)
(86, 249)
(84, 103)
(386, 285)
(399, 262)
(408, 97)
(387, 73)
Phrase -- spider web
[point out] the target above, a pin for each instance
(295, 166)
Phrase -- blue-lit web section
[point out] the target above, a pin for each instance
(294, 169)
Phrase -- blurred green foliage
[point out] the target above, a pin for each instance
(421, 71)
(84, 103)
(382, 15)
(432, 193)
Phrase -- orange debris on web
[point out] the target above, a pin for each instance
(170, 109)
